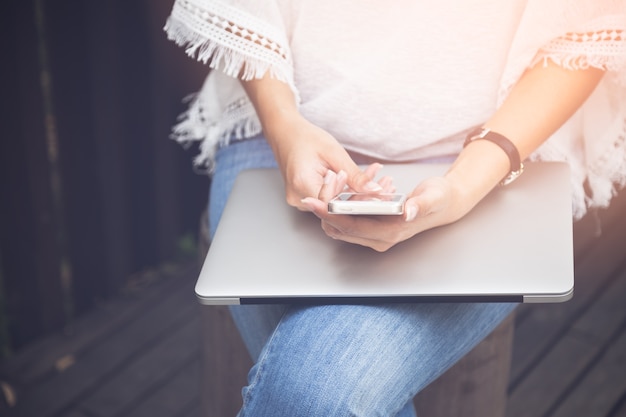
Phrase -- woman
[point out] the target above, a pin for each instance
(316, 88)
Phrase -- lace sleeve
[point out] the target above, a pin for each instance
(578, 34)
(600, 43)
(239, 39)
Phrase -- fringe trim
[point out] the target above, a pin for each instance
(223, 58)
(616, 66)
(594, 182)
(218, 136)
(212, 134)
(604, 176)
(238, 120)
(607, 174)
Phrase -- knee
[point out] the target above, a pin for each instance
(304, 390)
(288, 393)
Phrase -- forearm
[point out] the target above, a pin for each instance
(305, 153)
(275, 104)
(543, 99)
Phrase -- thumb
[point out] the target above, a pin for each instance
(411, 209)
(428, 198)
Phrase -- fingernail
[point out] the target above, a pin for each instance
(308, 202)
(342, 175)
(330, 176)
(411, 213)
(373, 186)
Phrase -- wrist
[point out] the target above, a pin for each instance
(463, 197)
(508, 147)
(476, 171)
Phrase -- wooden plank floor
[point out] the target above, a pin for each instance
(139, 354)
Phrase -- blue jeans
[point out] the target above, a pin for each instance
(343, 360)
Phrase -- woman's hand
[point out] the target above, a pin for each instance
(304, 152)
(434, 202)
(308, 157)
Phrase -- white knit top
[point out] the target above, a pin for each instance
(430, 84)
(406, 80)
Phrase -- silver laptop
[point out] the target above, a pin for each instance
(515, 246)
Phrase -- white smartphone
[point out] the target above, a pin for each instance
(367, 204)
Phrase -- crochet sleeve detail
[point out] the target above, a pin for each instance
(241, 41)
(580, 34)
(600, 44)
(600, 125)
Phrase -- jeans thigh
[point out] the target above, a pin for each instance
(339, 360)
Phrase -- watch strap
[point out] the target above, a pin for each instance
(506, 145)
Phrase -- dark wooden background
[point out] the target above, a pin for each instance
(92, 189)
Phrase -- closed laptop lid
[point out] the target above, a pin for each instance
(516, 245)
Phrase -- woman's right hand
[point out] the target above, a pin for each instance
(306, 154)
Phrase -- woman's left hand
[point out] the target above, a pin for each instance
(432, 203)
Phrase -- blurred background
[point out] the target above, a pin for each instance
(92, 189)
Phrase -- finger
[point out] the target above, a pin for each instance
(357, 179)
(352, 229)
(411, 209)
(342, 181)
(327, 190)
(363, 181)
(333, 185)
(318, 207)
(430, 198)
(387, 184)
(337, 234)
(372, 170)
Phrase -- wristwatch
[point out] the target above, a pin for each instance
(517, 167)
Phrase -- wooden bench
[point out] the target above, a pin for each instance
(475, 387)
